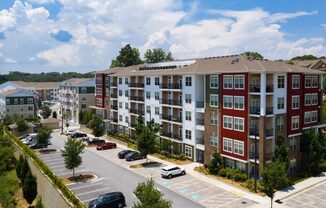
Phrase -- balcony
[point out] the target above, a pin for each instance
(135, 111)
(254, 131)
(113, 84)
(252, 155)
(137, 98)
(200, 141)
(114, 107)
(171, 86)
(256, 110)
(136, 85)
(171, 102)
(199, 104)
(132, 124)
(269, 110)
(269, 132)
(200, 122)
(171, 118)
(256, 88)
(114, 96)
(114, 120)
(268, 156)
(171, 135)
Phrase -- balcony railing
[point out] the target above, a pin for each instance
(114, 96)
(133, 124)
(256, 110)
(199, 104)
(200, 141)
(170, 86)
(269, 132)
(256, 88)
(113, 84)
(114, 107)
(269, 88)
(269, 110)
(136, 98)
(200, 122)
(252, 155)
(171, 135)
(171, 102)
(254, 131)
(115, 120)
(136, 85)
(135, 111)
(171, 118)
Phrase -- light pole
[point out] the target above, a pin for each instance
(61, 109)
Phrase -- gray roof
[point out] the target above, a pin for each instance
(14, 91)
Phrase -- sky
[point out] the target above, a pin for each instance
(85, 35)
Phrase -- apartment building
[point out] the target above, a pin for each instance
(235, 105)
(17, 102)
(76, 95)
(43, 90)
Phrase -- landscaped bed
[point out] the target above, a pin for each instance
(172, 160)
(149, 164)
(78, 179)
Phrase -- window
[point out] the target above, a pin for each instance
(148, 81)
(293, 144)
(295, 81)
(120, 105)
(238, 124)
(126, 106)
(228, 82)
(30, 100)
(239, 102)
(213, 100)
(120, 118)
(127, 119)
(83, 105)
(188, 98)
(126, 93)
(227, 102)
(30, 108)
(21, 101)
(126, 81)
(148, 109)
(314, 99)
(148, 95)
(213, 140)
(227, 145)
(307, 117)
(295, 102)
(214, 119)
(307, 81)
(307, 99)
(280, 123)
(314, 116)
(99, 91)
(120, 92)
(188, 115)
(120, 81)
(157, 96)
(157, 81)
(314, 81)
(8, 101)
(227, 122)
(157, 110)
(16, 101)
(280, 103)
(188, 134)
(239, 82)
(294, 122)
(83, 90)
(188, 81)
(238, 147)
(280, 82)
(213, 80)
(188, 151)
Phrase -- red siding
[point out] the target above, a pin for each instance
(232, 134)
(312, 107)
(101, 86)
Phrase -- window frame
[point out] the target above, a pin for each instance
(227, 118)
(292, 98)
(227, 98)
(239, 98)
(239, 124)
(187, 100)
(280, 85)
(210, 100)
(188, 134)
(292, 119)
(188, 115)
(213, 143)
(188, 81)
(280, 104)
(213, 117)
(239, 144)
(238, 78)
(227, 85)
(296, 85)
(226, 142)
(213, 79)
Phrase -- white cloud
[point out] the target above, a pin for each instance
(323, 26)
(42, 1)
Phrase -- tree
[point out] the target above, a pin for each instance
(274, 178)
(149, 196)
(97, 126)
(43, 135)
(30, 188)
(39, 103)
(46, 111)
(305, 57)
(54, 114)
(21, 124)
(7, 158)
(7, 120)
(23, 170)
(19, 165)
(65, 117)
(255, 55)
(128, 56)
(281, 152)
(72, 154)
(157, 55)
(215, 164)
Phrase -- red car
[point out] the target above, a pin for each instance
(106, 145)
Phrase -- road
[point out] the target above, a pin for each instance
(119, 178)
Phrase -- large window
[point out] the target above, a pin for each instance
(227, 122)
(238, 102)
(280, 103)
(307, 99)
(148, 95)
(294, 122)
(227, 145)
(314, 116)
(188, 151)
(227, 102)
(188, 98)
(126, 81)
(157, 96)
(157, 81)
(214, 100)
(310, 116)
(213, 140)
(188, 134)
(295, 102)
(228, 82)
(238, 124)
(30, 100)
(307, 117)
(148, 109)
(307, 81)
(148, 81)
(214, 81)
(238, 147)
(295, 81)
(280, 123)
(214, 119)
(280, 81)
(188, 81)
(314, 81)
(188, 115)
(239, 82)
(157, 110)
(314, 99)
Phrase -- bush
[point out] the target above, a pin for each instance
(222, 172)
(21, 125)
(229, 173)
(182, 157)
(250, 183)
(322, 166)
(240, 177)
(9, 184)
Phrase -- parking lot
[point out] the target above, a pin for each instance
(314, 197)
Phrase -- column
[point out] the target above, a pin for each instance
(263, 94)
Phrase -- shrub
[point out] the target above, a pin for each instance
(240, 177)
(229, 173)
(322, 166)
(182, 157)
(222, 172)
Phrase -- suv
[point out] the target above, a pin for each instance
(123, 154)
(134, 156)
(172, 170)
(113, 199)
(78, 135)
(96, 141)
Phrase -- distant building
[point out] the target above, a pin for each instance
(17, 102)
(319, 64)
(76, 95)
(43, 90)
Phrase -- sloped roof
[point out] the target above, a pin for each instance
(38, 85)
(15, 91)
(76, 81)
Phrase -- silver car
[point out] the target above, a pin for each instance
(171, 171)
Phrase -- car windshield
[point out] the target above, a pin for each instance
(101, 199)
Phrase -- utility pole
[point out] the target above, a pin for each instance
(255, 155)
(61, 118)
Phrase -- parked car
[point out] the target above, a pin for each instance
(171, 171)
(113, 199)
(123, 153)
(106, 145)
(24, 136)
(69, 132)
(134, 156)
(96, 141)
(31, 139)
(38, 146)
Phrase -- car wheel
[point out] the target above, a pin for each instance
(170, 176)
(120, 205)
(183, 173)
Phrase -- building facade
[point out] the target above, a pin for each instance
(18, 102)
(76, 95)
(235, 105)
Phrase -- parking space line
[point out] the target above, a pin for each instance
(310, 195)
(55, 162)
(304, 203)
(86, 186)
(89, 192)
(57, 166)
(319, 189)
(236, 193)
(88, 200)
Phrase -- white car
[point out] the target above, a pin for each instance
(70, 132)
(171, 171)
(31, 139)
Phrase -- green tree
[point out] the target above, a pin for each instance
(19, 165)
(7, 160)
(215, 164)
(97, 126)
(305, 57)
(149, 196)
(8, 120)
(54, 114)
(21, 124)
(46, 111)
(43, 135)
(81, 117)
(72, 154)
(255, 55)
(274, 178)
(39, 103)
(23, 170)
(29, 188)
(157, 55)
(281, 152)
(66, 118)
(128, 56)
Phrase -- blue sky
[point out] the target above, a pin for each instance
(70, 35)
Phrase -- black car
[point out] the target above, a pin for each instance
(96, 141)
(113, 199)
(78, 135)
(134, 156)
(38, 146)
(123, 154)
